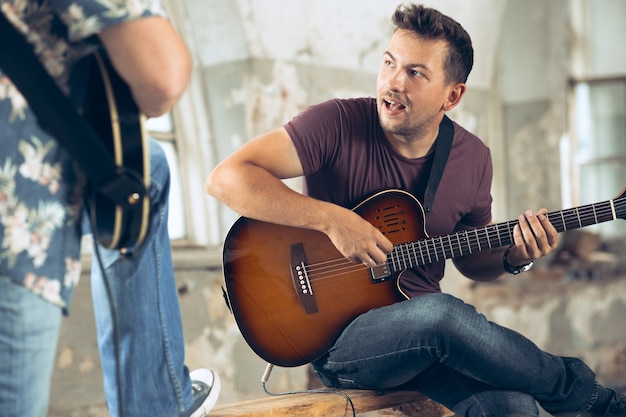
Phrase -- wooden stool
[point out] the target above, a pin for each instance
(332, 404)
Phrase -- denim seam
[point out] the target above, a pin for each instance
(181, 406)
(594, 397)
(369, 358)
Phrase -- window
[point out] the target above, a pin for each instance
(162, 129)
(600, 148)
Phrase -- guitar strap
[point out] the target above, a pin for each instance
(58, 116)
(443, 144)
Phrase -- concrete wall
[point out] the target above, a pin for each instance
(261, 62)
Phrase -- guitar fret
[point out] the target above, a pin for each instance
(509, 230)
(613, 210)
(477, 239)
(404, 260)
(442, 249)
(507, 234)
(428, 252)
(590, 216)
(394, 254)
(417, 255)
(469, 246)
(570, 223)
(571, 214)
(414, 254)
(609, 213)
(398, 256)
(498, 234)
(451, 248)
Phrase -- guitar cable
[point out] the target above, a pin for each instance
(114, 319)
(268, 371)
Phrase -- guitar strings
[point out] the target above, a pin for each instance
(430, 249)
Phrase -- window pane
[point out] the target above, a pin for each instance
(601, 148)
(177, 212)
(601, 182)
(601, 119)
(161, 124)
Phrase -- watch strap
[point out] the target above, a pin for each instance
(514, 270)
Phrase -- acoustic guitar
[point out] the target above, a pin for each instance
(292, 293)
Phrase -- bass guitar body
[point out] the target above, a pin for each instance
(112, 113)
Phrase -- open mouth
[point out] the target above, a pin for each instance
(393, 106)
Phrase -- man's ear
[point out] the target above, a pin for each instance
(454, 96)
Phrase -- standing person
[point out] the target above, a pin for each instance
(40, 221)
(349, 149)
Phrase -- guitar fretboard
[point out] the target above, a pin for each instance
(466, 242)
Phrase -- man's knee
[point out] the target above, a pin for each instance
(438, 310)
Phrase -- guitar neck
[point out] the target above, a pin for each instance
(466, 242)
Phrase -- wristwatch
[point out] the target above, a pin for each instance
(514, 269)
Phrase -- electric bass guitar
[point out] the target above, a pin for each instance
(292, 293)
(105, 136)
(112, 113)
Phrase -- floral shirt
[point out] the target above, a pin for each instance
(40, 187)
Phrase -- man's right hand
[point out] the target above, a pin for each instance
(357, 239)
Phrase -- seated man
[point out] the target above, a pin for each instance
(350, 149)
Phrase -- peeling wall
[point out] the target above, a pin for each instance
(264, 61)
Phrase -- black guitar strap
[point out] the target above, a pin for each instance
(443, 144)
(58, 116)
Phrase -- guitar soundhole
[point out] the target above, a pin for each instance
(391, 219)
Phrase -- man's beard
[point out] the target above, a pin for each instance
(406, 130)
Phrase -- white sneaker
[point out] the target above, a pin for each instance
(206, 389)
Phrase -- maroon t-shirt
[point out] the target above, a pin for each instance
(346, 158)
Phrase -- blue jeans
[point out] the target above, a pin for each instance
(444, 348)
(154, 379)
(29, 331)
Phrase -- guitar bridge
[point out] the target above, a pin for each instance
(300, 278)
